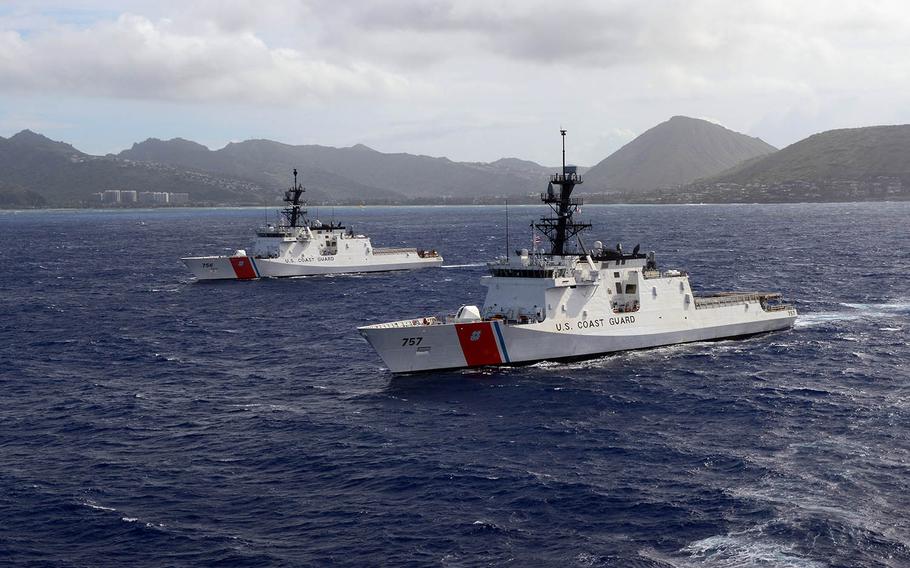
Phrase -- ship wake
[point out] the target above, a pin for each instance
(855, 311)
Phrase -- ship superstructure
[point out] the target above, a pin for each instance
(572, 301)
(297, 246)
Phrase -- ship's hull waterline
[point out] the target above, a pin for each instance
(412, 346)
(250, 268)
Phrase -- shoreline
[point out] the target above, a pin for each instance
(428, 205)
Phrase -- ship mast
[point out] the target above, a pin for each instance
(562, 227)
(294, 212)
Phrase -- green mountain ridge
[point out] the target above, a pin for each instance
(847, 153)
(356, 172)
(38, 171)
(871, 162)
(858, 163)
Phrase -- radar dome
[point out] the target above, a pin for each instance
(467, 313)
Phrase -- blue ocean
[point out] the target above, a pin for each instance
(150, 420)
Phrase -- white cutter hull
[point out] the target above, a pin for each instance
(249, 268)
(422, 345)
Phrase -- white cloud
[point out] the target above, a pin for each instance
(135, 57)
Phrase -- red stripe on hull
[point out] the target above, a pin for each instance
(478, 343)
(243, 267)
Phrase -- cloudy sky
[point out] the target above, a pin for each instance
(467, 79)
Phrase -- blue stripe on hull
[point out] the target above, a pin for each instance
(502, 343)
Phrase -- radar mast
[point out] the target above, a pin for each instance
(295, 211)
(560, 228)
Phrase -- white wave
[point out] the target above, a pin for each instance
(876, 308)
(857, 311)
(734, 551)
(672, 351)
(651, 353)
(168, 357)
(742, 550)
(587, 559)
(596, 363)
(464, 265)
(97, 507)
(821, 318)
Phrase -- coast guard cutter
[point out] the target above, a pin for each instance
(300, 247)
(572, 302)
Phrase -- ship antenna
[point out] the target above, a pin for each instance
(507, 227)
(563, 132)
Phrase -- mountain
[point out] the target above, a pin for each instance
(262, 162)
(35, 171)
(354, 173)
(27, 139)
(673, 153)
(849, 164)
(175, 151)
(845, 154)
(16, 196)
(525, 169)
(872, 162)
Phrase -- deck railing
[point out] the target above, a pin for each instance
(432, 320)
(649, 273)
(733, 298)
(394, 250)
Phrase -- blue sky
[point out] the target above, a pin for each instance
(466, 79)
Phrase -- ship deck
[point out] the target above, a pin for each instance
(720, 299)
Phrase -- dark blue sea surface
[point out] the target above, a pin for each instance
(149, 420)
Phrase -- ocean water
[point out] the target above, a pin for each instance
(149, 420)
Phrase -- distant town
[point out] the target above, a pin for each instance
(877, 188)
(133, 198)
